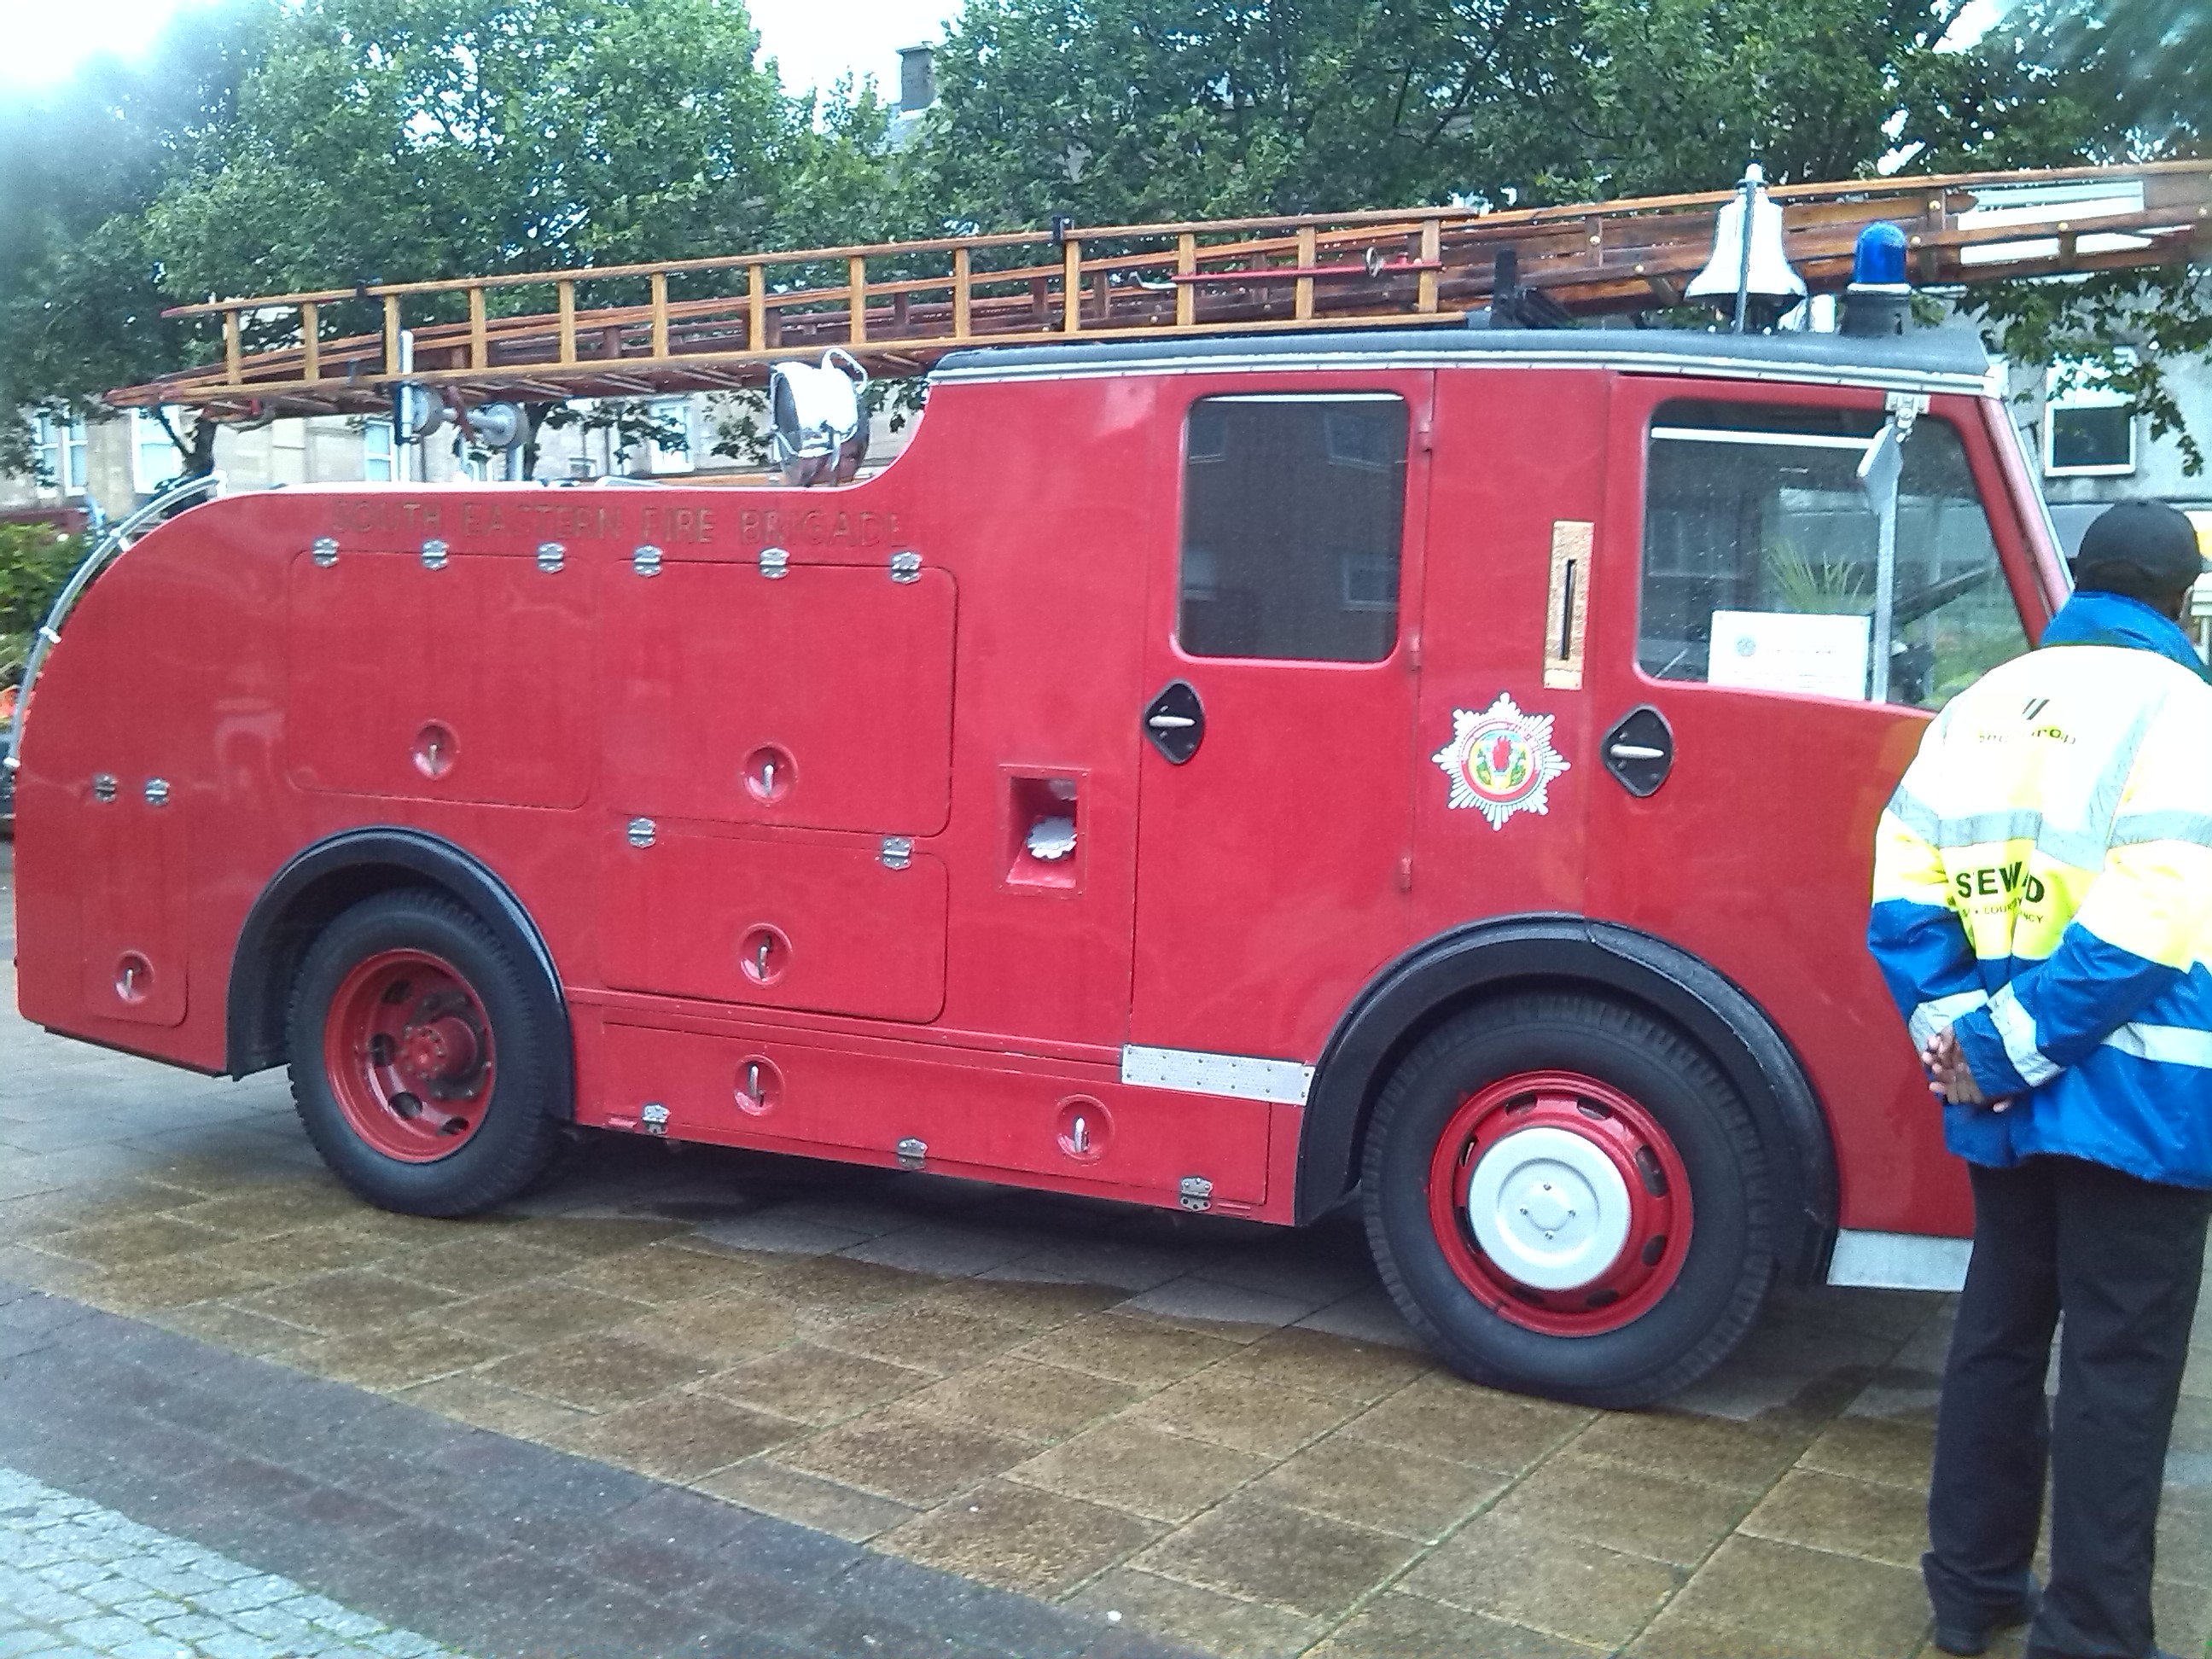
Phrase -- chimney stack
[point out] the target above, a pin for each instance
(917, 78)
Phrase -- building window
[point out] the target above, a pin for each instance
(376, 451)
(1761, 557)
(1293, 514)
(673, 414)
(62, 453)
(2088, 428)
(154, 461)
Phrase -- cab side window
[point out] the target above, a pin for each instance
(1292, 517)
(1761, 556)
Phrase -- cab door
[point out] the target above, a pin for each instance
(1274, 823)
(1747, 739)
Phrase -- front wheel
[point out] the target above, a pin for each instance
(422, 1057)
(1566, 1198)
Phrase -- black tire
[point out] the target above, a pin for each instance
(517, 1136)
(1723, 1278)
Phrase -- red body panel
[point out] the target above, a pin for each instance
(472, 681)
(952, 988)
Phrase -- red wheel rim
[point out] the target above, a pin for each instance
(1653, 1190)
(408, 1050)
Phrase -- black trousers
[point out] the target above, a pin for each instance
(2122, 1259)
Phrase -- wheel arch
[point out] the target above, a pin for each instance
(1469, 966)
(329, 877)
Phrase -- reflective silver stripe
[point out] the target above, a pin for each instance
(2136, 828)
(1937, 1012)
(2169, 1045)
(2016, 1026)
(1900, 1262)
(1200, 1073)
(2082, 845)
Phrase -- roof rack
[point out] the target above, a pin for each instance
(721, 323)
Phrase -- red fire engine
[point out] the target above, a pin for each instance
(1229, 770)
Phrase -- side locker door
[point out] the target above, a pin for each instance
(1273, 833)
(1504, 774)
(778, 753)
(1745, 760)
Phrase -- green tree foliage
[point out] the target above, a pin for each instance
(402, 140)
(81, 164)
(275, 145)
(35, 561)
(1118, 110)
(2060, 81)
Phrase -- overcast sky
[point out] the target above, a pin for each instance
(814, 41)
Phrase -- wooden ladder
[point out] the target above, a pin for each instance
(718, 323)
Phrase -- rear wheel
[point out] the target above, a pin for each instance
(1566, 1197)
(422, 1057)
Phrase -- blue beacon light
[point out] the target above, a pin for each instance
(1878, 260)
(1880, 298)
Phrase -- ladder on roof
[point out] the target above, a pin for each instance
(704, 324)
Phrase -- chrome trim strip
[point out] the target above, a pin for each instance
(1900, 1262)
(1687, 363)
(1196, 1072)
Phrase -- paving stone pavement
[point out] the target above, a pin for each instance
(81, 1581)
(1218, 1432)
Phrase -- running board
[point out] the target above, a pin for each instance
(1900, 1262)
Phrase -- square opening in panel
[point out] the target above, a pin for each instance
(1044, 828)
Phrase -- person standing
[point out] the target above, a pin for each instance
(2043, 915)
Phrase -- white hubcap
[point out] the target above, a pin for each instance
(1549, 1208)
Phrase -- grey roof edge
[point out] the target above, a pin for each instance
(1948, 353)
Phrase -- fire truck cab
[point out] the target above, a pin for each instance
(1432, 767)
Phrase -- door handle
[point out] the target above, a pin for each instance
(1639, 750)
(1175, 722)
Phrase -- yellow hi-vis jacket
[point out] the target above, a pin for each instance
(2042, 886)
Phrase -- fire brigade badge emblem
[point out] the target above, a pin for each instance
(1501, 761)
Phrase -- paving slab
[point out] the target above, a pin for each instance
(1051, 1410)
